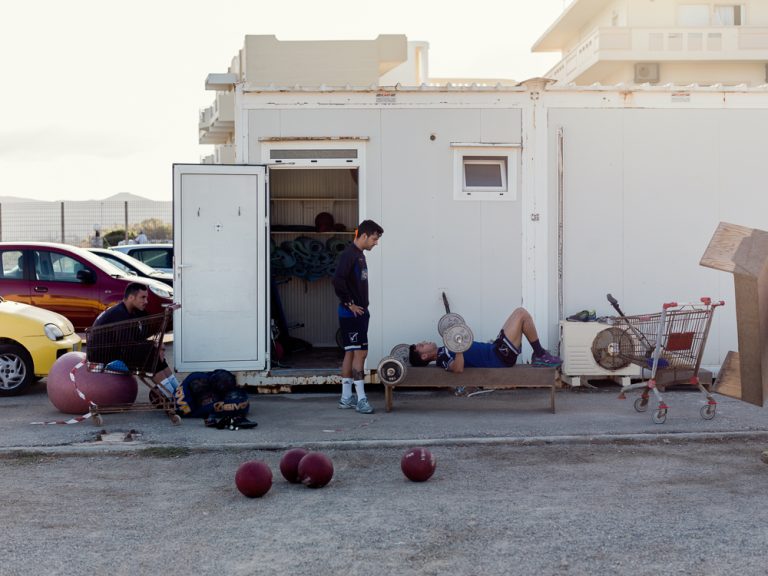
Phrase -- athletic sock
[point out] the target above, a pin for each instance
(360, 389)
(170, 383)
(346, 387)
(537, 349)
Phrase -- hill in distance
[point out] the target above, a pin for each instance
(119, 197)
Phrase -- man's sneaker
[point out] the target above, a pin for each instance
(545, 359)
(583, 316)
(347, 403)
(364, 407)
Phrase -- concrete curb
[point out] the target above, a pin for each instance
(123, 448)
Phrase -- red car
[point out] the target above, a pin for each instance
(69, 280)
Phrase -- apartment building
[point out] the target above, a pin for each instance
(682, 42)
(265, 61)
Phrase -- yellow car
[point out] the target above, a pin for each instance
(31, 339)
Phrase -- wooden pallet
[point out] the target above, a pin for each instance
(521, 376)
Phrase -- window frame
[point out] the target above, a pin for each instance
(506, 155)
(741, 14)
(500, 161)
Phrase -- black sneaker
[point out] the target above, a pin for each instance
(241, 423)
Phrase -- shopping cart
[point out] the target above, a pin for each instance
(131, 347)
(672, 339)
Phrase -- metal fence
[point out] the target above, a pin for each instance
(83, 223)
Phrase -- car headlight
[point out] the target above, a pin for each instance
(162, 292)
(53, 332)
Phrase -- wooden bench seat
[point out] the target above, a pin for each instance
(521, 376)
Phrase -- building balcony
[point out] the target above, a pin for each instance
(217, 122)
(711, 44)
(224, 154)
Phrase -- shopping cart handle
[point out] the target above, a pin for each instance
(707, 301)
(670, 305)
(615, 303)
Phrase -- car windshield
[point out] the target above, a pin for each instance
(128, 261)
(102, 263)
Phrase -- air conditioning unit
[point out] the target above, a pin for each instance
(577, 341)
(646, 72)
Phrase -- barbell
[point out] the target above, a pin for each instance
(457, 336)
(393, 368)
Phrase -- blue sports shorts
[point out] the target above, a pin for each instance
(354, 329)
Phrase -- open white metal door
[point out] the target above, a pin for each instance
(220, 267)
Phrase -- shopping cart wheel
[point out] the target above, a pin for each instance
(641, 404)
(708, 411)
(175, 419)
(660, 416)
(98, 420)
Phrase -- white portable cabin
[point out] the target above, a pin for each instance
(499, 196)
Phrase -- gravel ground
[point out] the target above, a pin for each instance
(694, 508)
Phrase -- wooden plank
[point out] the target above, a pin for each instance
(523, 376)
(673, 376)
(743, 252)
(520, 376)
(737, 249)
(729, 378)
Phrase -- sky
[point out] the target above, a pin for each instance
(101, 97)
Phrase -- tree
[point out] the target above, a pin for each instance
(154, 228)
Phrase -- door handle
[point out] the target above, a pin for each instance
(41, 289)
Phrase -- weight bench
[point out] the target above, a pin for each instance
(520, 376)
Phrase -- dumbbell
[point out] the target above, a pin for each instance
(393, 368)
(457, 336)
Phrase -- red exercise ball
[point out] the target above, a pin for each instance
(289, 464)
(418, 464)
(315, 470)
(101, 389)
(253, 479)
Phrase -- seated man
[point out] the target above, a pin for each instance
(131, 308)
(501, 353)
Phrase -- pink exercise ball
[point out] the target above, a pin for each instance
(99, 388)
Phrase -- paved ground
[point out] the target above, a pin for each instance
(596, 488)
(418, 416)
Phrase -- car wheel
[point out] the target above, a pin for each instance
(16, 370)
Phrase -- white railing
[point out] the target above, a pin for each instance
(206, 117)
(633, 44)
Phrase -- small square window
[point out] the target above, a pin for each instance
(485, 171)
(485, 174)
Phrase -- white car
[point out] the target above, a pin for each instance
(158, 256)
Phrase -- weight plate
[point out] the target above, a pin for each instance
(458, 338)
(448, 320)
(401, 352)
(391, 370)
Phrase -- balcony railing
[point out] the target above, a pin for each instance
(217, 121)
(731, 43)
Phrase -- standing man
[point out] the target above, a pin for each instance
(351, 285)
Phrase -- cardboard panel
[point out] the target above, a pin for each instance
(743, 252)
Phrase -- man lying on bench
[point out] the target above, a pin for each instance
(501, 353)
